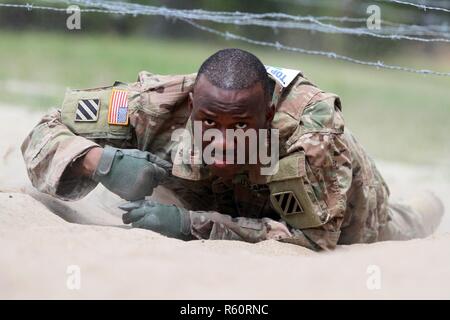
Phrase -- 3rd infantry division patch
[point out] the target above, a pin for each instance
(288, 202)
(87, 110)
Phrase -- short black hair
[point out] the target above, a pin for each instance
(235, 69)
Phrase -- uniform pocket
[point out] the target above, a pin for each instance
(36, 147)
(292, 195)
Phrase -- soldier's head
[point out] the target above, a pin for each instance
(232, 91)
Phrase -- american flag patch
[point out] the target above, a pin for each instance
(288, 202)
(87, 110)
(118, 108)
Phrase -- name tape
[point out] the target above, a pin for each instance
(282, 75)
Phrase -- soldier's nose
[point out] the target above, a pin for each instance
(219, 142)
(223, 150)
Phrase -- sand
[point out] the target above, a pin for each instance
(42, 239)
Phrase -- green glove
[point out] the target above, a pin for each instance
(168, 220)
(130, 173)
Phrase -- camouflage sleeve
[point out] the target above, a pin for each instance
(66, 135)
(328, 170)
(48, 151)
(329, 173)
(213, 225)
(216, 226)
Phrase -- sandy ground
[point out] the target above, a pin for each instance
(41, 239)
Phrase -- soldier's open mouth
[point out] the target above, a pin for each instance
(219, 163)
(222, 164)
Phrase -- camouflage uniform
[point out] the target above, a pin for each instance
(335, 181)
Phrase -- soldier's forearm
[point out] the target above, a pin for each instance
(216, 226)
(299, 238)
(50, 151)
(87, 164)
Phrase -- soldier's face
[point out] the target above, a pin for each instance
(221, 109)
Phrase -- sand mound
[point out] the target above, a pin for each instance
(43, 238)
(38, 248)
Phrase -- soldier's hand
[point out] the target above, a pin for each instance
(130, 173)
(276, 230)
(168, 220)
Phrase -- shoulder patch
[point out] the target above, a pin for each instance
(288, 202)
(87, 110)
(118, 107)
(282, 75)
(85, 113)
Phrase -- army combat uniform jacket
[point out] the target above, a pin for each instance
(327, 190)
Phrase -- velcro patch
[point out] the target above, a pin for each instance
(87, 110)
(118, 108)
(288, 202)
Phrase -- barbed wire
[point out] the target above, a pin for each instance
(396, 32)
(31, 7)
(231, 36)
(438, 30)
(357, 6)
(360, 32)
(379, 64)
(241, 18)
(424, 7)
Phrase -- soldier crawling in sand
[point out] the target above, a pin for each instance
(326, 189)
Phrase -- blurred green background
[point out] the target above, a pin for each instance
(397, 116)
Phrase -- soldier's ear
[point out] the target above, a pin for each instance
(270, 113)
(190, 102)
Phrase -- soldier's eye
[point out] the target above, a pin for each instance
(209, 122)
(240, 125)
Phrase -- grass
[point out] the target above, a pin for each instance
(397, 116)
